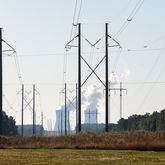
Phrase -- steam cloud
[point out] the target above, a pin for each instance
(93, 95)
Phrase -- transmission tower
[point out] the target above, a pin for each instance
(27, 104)
(93, 70)
(1, 92)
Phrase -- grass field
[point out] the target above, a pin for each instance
(80, 157)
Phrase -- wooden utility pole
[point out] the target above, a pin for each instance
(22, 109)
(65, 112)
(34, 114)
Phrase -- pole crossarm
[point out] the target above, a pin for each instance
(115, 89)
(67, 45)
(117, 43)
(11, 48)
(70, 46)
(93, 45)
(93, 71)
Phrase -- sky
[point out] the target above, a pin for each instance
(39, 31)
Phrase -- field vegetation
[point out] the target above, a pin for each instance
(140, 140)
(80, 157)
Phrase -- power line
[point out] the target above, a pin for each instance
(74, 24)
(153, 84)
(145, 82)
(74, 53)
(117, 59)
(18, 68)
(65, 66)
(61, 84)
(149, 91)
(74, 16)
(77, 12)
(130, 17)
(155, 63)
(155, 40)
(151, 70)
(123, 9)
(9, 104)
(13, 52)
(78, 17)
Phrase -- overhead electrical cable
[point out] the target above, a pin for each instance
(18, 68)
(130, 17)
(146, 77)
(101, 52)
(65, 66)
(74, 16)
(14, 53)
(9, 105)
(150, 90)
(72, 34)
(116, 59)
(78, 17)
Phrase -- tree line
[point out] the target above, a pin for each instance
(147, 122)
(9, 127)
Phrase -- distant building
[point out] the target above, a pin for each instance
(91, 116)
(99, 127)
(28, 130)
(50, 133)
(60, 122)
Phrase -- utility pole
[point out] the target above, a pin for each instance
(109, 99)
(120, 100)
(65, 113)
(121, 107)
(1, 89)
(89, 118)
(76, 110)
(116, 44)
(87, 114)
(106, 77)
(96, 120)
(79, 77)
(22, 108)
(68, 122)
(42, 124)
(34, 131)
(96, 113)
(121, 90)
(61, 124)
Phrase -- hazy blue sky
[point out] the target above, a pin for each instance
(40, 27)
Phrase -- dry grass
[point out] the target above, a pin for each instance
(140, 140)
